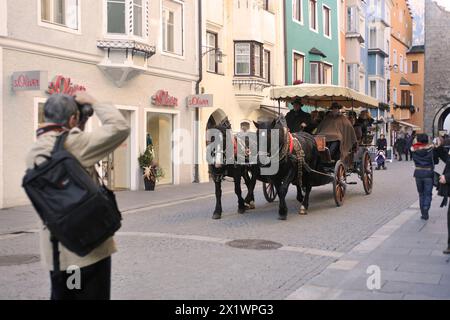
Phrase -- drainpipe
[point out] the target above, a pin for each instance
(285, 44)
(197, 91)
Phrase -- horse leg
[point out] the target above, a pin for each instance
(308, 192)
(238, 191)
(301, 199)
(218, 211)
(250, 182)
(282, 192)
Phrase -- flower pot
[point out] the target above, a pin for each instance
(149, 185)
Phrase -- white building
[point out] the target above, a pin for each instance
(121, 51)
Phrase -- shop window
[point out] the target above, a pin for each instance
(127, 17)
(60, 12)
(41, 116)
(172, 27)
(248, 60)
(159, 133)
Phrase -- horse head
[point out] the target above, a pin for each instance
(265, 132)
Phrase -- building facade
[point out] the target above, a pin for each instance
(400, 87)
(243, 56)
(416, 61)
(139, 55)
(313, 41)
(437, 68)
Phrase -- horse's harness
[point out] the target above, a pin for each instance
(294, 147)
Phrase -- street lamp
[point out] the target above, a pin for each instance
(217, 52)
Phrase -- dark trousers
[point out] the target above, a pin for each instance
(335, 150)
(95, 283)
(448, 225)
(425, 189)
(408, 153)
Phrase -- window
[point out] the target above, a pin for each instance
(242, 58)
(406, 65)
(352, 20)
(266, 72)
(327, 74)
(321, 73)
(373, 38)
(314, 69)
(211, 45)
(257, 60)
(401, 63)
(172, 27)
(297, 10)
(60, 12)
(327, 21)
(373, 89)
(353, 76)
(388, 48)
(394, 96)
(127, 18)
(248, 59)
(395, 58)
(298, 66)
(406, 98)
(415, 67)
(313, 14)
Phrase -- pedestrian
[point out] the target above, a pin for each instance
(62, 115)
(381, 154)
(401, 144)
(424, 158)
(443, 144)
(409, 141)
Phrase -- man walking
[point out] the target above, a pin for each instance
(62, 115)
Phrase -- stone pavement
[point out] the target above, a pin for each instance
(407, 255)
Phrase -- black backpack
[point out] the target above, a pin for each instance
(78, 213)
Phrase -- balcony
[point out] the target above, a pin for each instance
(252, 22)
(124, 59)
(411, 108)
(249, 91)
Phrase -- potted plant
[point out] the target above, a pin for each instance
(152, 172)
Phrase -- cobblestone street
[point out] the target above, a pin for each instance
(170, 248)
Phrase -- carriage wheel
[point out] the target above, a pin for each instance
(339, 185)
(269, 192)
(367, 173)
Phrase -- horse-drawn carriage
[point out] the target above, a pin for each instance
(329, 171)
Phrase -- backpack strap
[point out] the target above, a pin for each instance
(56, 262)
(60, 140)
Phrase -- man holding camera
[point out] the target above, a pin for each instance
(64, 113)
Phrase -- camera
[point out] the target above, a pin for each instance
(86, 111)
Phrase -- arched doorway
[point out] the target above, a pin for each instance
(442, 120)
(215, 118)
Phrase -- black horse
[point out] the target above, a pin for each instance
(296, 155)
(224, 164)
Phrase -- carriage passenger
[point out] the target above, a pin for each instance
(339, 132)
(297, 119)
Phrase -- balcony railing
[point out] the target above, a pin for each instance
(411, 108)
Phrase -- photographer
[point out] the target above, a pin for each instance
(64, 114)
(444, 180)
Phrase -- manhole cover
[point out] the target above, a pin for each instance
(253, 244)
(6, 261)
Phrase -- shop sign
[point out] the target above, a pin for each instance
(29, 80)
(64, 85)
(163, 99)
(200, 101)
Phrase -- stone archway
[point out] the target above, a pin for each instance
(440, 117)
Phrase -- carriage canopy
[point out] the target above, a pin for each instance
(322, 96)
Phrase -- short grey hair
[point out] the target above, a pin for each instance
(59, 108)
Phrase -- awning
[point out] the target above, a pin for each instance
(317, 52)
(404, 82)
(322, 95)
(407, 124)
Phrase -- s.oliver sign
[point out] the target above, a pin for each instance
(200, 101)
(163, 99)
(29, 80)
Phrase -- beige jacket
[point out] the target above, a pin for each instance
(89, 148)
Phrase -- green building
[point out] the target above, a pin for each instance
(312, 41)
